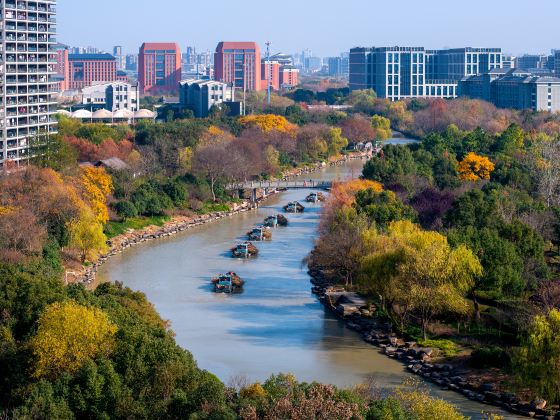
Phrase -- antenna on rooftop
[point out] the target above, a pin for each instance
(269, 78)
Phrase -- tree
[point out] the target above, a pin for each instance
(538, 358)
(268, 122)
(358, 129)
(86, 235)
(391, 166)
(382, 127)
(68, 335)
(474, 167)
(97, 185)
(547, 168)
(382, 208)
(213, 162)
(418, 271)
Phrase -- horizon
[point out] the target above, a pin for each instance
(495, 27)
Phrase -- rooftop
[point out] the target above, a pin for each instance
(91, 57)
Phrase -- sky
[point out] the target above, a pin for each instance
(325, 27)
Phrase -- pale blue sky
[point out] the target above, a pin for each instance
(326, 27)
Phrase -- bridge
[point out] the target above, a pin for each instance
(280, 185)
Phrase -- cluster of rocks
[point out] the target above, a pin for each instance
(132, 238)
(419, 360)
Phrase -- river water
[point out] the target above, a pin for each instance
(276, 324)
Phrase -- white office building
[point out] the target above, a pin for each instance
(112, 96)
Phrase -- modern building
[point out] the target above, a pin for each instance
(289, 77)
(238, 63)
(338, 66)
(120, 57)
(516, 89)
(530, 62)
(201, 95)
(270, 71)
(112, 96)
(132, 62)
(285, 60)
(62, 67)
(28, 49)
(557, 63)
(410, 72)
(89, 69)
(159, 68)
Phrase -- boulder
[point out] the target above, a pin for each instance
(538, 404)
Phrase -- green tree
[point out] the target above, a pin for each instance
(383, 207)
(538, 358)
(382, 127)
(391, 166)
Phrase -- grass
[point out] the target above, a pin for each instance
(213, 207)
(447, 347)
(113, 229)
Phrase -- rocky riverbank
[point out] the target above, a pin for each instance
(120, 243)
(485, 388)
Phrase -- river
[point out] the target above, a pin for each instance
(276, 324)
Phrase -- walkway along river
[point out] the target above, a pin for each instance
(276, 324)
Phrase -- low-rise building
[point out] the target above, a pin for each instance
(112, 96)
(201, 95)
(516, 89)
(89, 69)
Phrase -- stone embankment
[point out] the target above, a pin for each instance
(422, 361)
(120, 243)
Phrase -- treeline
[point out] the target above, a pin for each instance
(462, 226)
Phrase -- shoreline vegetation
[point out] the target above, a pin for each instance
(470, 217)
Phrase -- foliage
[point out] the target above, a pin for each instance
(68, 335)
(538, 358)
(447, 347)
(490, 356)
(382, 127)
(382, 208)
(391, 166)
(97, 185)
(419, 271)
(113, 229)
(474, 167)
(268, 123)
(86, 235)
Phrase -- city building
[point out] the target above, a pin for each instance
(112, 96)
(62, 67)
(514, 88)
(270, 71)
(26, 78)
(201, 95)
(159, 68)
(531, 62)
(557, 62)
(410, 72)
(313, 64)
(285, 60)
(238, 63)
(88, 69)
(131, 62)
(509, 62)
(289, 77)
(338, 66)
(120, 57)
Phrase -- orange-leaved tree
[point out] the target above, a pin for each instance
(344, 194)
(474, 167)
(268, 123)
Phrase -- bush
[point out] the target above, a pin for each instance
(447, 347)
(125, 209)
(490, 356)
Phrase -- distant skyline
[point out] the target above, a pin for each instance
(294, 25)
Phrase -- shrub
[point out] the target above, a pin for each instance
(125, 209)
(490, 356)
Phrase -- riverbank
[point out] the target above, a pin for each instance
(485, 387)
(120, 243)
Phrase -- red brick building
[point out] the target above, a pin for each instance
(62, 68)
(289, 77)
(86, 69)
(238, 63)
(159, 68)
(268, 68)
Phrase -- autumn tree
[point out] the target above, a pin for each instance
(474, 167)
(97, 185)
(358, 129)
(214, 163)
(418, 271)
(382, 127)
(86, 235)
(68, 335)
(268, 122)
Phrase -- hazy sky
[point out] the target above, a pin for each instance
(326, 27)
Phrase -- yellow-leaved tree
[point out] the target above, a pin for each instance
(97, 185)
(268, 123)
(86, 236)
(418, 271)
(68, 335)
(474, 167)
(382, 127)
